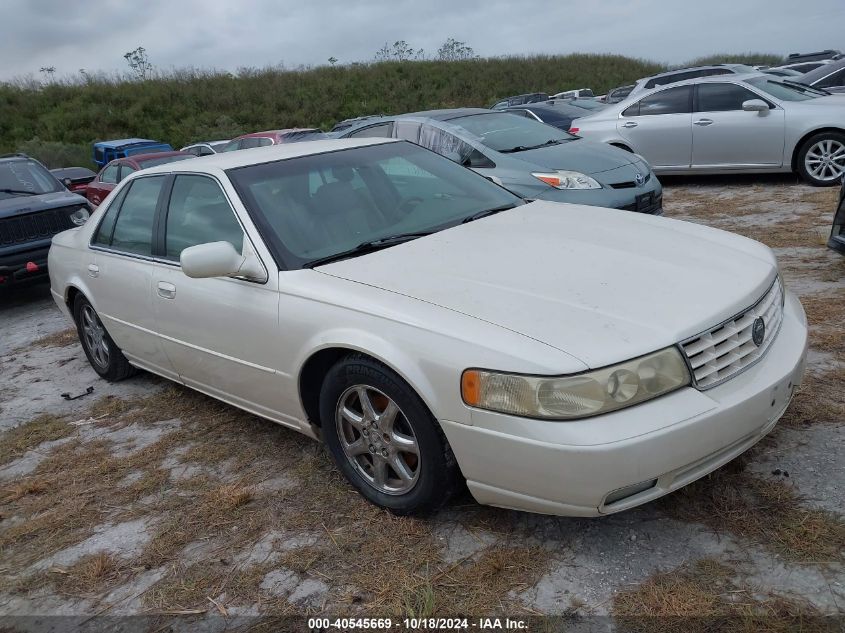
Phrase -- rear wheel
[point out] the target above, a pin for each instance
(105, 357)
(384, 439)
(821, 161)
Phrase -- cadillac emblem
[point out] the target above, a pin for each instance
(758, 331)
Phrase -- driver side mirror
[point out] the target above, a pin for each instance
(755, 105)
(220, 259)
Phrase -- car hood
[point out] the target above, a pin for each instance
(19, 205)
(599, 284)
(587, 157)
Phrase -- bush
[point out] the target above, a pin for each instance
(191, 104)
(55, 154)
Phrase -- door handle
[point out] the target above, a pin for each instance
(704, 122)
(93, 270)
(166, 290)
(630, 124)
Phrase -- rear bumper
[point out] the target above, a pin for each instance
(623, 459)
(23, 265)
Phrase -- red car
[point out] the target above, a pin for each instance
(118, 169)
(273, 137)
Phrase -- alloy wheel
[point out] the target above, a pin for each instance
(378, 440)
(825, 160)
(95, 337)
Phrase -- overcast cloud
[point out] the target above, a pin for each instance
(95, 34)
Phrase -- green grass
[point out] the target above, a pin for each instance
(57, 121)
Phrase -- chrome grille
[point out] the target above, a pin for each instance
(728, 349)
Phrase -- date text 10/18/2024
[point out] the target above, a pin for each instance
(417, 624)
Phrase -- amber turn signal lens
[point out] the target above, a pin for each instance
(471, 387)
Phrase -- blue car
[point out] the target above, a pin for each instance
(107, 151)
(533, 160)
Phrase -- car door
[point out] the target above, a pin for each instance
(102, 185)
(726, 136)
(120, 272)
(218, 332)
(659, 127)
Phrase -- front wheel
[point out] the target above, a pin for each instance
(821, 161)
(384, 439)
(105, 357)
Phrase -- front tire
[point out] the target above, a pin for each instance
(105, 357)
(821, 160)
(384, 439)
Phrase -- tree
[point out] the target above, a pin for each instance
(139, 63)
(453, 50)
(48, 72)
(332, 60)
(401, 51)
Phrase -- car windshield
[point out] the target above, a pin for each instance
(504, 132)
(785, 90)
(323, 206)
(25, 178)
(152, 162)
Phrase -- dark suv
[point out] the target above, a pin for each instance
(34, 206)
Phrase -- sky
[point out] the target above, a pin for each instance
(227, 35)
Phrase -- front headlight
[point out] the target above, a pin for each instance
(567, 180)
(80, 216)
(580, 395)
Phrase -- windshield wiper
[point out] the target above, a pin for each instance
(18, 192)
(368, 247)
(487, 212)
(523, 148)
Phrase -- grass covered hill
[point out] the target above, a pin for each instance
(57, 121)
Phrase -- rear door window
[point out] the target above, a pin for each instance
(133, 230)
(676, 100)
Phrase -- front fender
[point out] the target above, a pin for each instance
(416, 371)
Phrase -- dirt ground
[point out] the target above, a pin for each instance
(146, 498)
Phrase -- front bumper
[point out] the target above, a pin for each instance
(647, 199)
(23, 265)
(623, 459)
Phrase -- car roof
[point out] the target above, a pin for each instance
(126, 141)
(823, 71)
(445, 114)
(11, 157)
(268, 154)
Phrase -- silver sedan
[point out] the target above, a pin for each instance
(751, 123)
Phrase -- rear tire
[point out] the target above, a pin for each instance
(821, 159)
(384, 439)
(105, 357)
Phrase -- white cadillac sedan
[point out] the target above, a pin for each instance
(431, 327)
